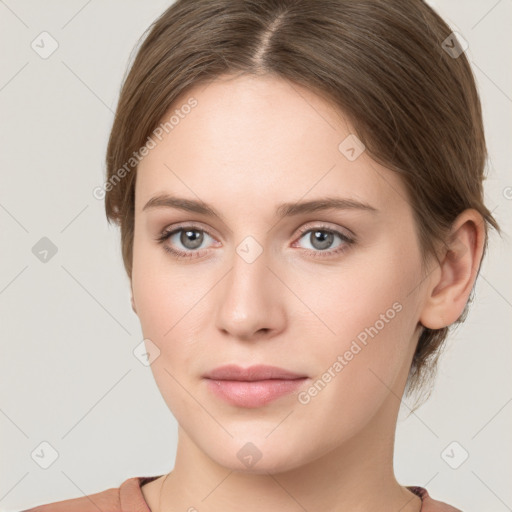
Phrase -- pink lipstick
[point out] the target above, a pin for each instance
(254, 386)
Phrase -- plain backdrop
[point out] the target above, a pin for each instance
(72, 389)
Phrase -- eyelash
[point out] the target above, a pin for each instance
(166, 234)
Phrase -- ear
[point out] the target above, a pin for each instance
(451, 284)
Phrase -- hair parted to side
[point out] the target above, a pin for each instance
(378, 62)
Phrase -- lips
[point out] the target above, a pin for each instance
(259, 372)
(252, 387)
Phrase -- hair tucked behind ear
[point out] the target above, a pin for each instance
(381, 63)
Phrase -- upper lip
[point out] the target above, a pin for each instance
(252, 373)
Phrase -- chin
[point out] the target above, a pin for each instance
(257, 455)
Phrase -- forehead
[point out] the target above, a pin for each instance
(252, 141)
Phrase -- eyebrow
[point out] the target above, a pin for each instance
(283, 210)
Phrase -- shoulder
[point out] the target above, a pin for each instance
(126, 498)
(107, 501)
(429, 504)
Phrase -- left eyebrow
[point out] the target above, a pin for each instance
(283, 210)
(328, 203)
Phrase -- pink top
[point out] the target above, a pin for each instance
(129, 498)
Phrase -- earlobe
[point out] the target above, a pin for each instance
(451, 284)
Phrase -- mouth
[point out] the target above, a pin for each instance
(254, 386)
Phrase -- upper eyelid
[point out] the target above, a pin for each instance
(184, 226)
(320, 225)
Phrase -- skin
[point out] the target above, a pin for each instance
(249, 145)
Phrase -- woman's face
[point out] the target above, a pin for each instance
(332, 295)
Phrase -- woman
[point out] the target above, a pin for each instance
(299, 190)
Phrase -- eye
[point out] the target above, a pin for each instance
(321, 239)
(189, 237)
(192, 237)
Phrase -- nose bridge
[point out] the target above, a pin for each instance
(249, 299)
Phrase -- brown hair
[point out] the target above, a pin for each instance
(383, 64)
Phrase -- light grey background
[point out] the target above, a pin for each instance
(68, 374)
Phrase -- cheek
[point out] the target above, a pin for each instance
(157, 292)
(169, 304)
(165, 307)
(360, 368)
(362, 300)
(366, 322)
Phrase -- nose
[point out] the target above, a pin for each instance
(251, 300)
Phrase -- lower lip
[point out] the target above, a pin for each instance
(255, 393)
